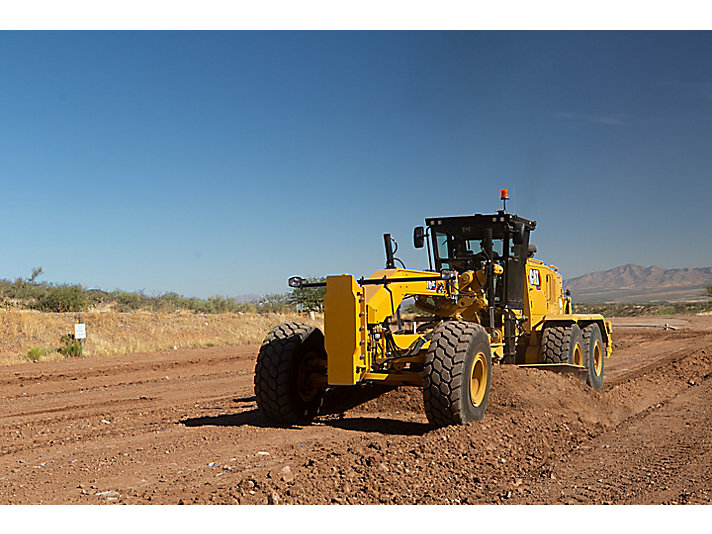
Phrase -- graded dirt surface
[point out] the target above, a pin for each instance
(182, 427)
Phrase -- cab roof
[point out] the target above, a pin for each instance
(478, 220)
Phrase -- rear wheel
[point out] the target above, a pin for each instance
(456, 374)
(562, 344)
(290, 362)
(594, 350)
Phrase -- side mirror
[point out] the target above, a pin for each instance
(295, 282)
(518, 236)
(418, 237)
(531, 251)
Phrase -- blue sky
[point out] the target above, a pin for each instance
(224, 162)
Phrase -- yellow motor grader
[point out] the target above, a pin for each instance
(486, 301)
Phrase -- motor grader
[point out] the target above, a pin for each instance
(486, 302)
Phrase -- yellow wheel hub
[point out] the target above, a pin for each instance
(478, 379)
(578, 355)
(597, 359)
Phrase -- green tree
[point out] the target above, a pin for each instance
(309, 298)
(35, 273)
(709, 291)
(273, 302)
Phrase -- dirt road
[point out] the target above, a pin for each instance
(181, 427)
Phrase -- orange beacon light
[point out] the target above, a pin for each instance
(504, 197)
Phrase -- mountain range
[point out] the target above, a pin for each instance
(638, 284)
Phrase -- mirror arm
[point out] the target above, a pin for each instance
(427, 242)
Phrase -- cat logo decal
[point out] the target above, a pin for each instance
(535, 278)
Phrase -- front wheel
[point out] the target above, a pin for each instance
(290, 362)
(456, 374)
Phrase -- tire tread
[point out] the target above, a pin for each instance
(443, 387)
(274, 368)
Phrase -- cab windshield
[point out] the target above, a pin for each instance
(456, 252)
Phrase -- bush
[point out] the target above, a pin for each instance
(35, 353)
(63, 298)
(50, 297)
(127, 301)
(71, 347)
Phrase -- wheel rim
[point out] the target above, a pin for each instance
(578, 354)
(478, 379)
(306, 386)
(597, 359)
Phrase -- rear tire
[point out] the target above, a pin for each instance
(595, 351)
(456, 374)
(289, 358)
(562, 344)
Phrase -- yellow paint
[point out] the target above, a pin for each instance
(478, 379)
(355, 355)
(342, 334)
(349, 307)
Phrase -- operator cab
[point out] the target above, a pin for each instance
(464, 243)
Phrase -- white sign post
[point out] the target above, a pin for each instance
(80, 331)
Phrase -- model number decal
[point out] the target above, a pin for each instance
(535, 278)
(435, 285)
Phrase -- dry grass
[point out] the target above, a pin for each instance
(111, 333)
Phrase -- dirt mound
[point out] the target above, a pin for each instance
(372, 399)
(512, 387)
(531, 412)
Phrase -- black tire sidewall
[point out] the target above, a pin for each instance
(447, 370)
(478, 343)
(575, 336)
(305, 410)
(594, 334)
(277, 373)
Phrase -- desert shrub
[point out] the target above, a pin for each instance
(35, 353)
(168, 302)
(96, 297)
(23, 291)
(128, 301)
(50, 297)
(221, 304)
(273, 303)
(63, 298)
(71, 348)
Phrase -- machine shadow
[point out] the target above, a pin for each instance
(360, 424)
(344, 398)
(251, 417)
(337, 401)
(380, 425)
(252, 398)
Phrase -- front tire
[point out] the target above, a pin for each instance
(456, 374)
(290, 358)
